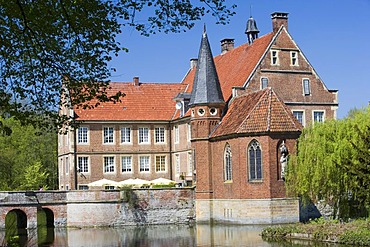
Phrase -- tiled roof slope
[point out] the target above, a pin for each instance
(235, 66)
(257, 112)
(147, 101)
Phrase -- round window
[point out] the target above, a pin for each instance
(213, 111)
(201, 111)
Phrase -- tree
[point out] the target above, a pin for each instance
(333, 163)
(59, 47)
(28, 157)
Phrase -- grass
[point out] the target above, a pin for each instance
(356, 232)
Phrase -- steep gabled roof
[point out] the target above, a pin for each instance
(206, 87)
(147, 101)
(235, 66)
(257, 112)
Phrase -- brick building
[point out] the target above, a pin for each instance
(227, 127)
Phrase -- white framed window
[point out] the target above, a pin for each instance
(201, 112)
(318, 116)
(189, 132)
(177, 134)
(83, 135)
(144, 164)
(143, 135)
(126, 164)
(125, 135)
(109, 166)
(228, 175)
(294, 58)
(190, 164)
(177, 163)
(306, 86)
(299, 115)
(83, 164)
(108, 135)
(274, 57)
(109, 187)
(160, 163)
(264, 82)
(213, 111)
(159, 135)
(67, 165)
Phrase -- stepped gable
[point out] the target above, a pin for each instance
(144, 101)
(257, 112)
(235, 66)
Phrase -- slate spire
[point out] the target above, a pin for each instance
(206, 87)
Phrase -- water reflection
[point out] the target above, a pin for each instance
(160, 236)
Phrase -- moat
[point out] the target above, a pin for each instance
(155, 236)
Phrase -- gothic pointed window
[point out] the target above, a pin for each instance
(255, 161)
(227, 163)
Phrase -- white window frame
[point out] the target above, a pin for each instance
(303, 115)
(177, 134)
(294, 57)
(189, 132)
(141, 136)
(67, 165)
(177, 164)
(83, 137)
(262, 79)
(318, 111)
(84, 165)
(146, 165)
(163, 163)
(304, 86)
(158, 135)
(275, 56)
(190, 164)
(108, 142)
(123, 138)
(131, 165)
(107, 164)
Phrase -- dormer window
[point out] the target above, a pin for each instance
(274, 57)
(294, 58)
(306, 87)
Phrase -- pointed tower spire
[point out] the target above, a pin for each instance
(206, 87)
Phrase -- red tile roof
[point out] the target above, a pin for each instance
(257, 112)
(235, 66)
(148, 101)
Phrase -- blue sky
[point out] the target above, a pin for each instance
(333, 34)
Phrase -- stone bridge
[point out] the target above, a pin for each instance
(99, 207)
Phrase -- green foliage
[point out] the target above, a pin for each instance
(356, 232)
(333, 163)
(47, 42)
(28, 158)
(171, 185)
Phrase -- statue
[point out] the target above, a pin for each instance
(283, 159)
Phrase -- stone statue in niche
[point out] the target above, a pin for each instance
(283, 159)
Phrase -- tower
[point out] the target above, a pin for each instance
(206, 105)
(251, 30)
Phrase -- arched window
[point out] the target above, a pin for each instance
(255, 160)
(228, 175)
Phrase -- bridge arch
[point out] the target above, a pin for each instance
(16, 218)
(48, 215)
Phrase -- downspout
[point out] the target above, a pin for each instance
(75, 152)
(170, 143)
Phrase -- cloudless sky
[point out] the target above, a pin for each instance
(334, 35)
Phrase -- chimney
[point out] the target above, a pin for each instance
(193, 62)
(227, 45)
(136, 81)
(279, 19)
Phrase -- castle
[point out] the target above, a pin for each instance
(227, 128)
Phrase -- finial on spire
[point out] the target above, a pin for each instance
(204, 28)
